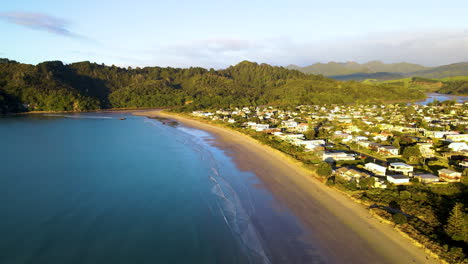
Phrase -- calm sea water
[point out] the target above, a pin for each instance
(442, 97)
(91, 188)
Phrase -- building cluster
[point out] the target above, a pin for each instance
(364, 141)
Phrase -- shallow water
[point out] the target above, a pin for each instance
(442, 97)
(91, 188)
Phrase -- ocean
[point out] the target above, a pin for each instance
(91, 188)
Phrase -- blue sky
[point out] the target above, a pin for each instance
(219, 33)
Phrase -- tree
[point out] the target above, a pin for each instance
(412, 154)
(324, 169)
(456, 227)
(396, 143)
(310, 134)
(366, 183)
(405, 195)
(399, 219)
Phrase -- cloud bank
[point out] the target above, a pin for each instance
(39, 21)
(429, 48)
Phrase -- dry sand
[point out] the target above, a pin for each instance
(346, 230)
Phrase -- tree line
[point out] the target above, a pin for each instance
(83, 86)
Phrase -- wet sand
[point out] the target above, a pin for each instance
(345, 230)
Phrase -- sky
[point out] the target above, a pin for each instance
(217, 33)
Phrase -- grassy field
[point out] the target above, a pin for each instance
(442, 85)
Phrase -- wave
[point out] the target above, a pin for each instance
(228, 203)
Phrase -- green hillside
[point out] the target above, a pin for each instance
(341, 69)
(54, 86)
(456, 69)
(457, 85)
(383, 72)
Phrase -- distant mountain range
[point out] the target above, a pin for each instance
(381, 71)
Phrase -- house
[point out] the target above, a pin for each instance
(292, 137)
(457, 137)
(449, 175)
(343, 136)
(336, 156)
(351, 174)
(464, 164)
(398, 179)
(364, 143)
(438, 134)
(427, 177)
(302, 127)
(261, 127)
(360, 138)
(312, 144)
(426, 150)
(458, 146)
(388, 150)
(289, 124)
(375, 168)
(401, 167)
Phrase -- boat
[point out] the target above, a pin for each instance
(123, 118)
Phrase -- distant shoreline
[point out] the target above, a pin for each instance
(345, 230)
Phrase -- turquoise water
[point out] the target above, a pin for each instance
(91, 188)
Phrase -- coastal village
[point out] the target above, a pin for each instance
(373, 145)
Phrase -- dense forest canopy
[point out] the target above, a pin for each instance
(82, 86)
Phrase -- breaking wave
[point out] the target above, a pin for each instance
(228, 204)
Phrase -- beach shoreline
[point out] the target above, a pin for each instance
(346, 230)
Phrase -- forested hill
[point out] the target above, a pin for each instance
(54, 86)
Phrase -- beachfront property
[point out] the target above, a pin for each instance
(312, 144)
(350, 174)
(449, 175)
(375, 168)
(361, 133)
(337, 156)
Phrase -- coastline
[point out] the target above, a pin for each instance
(346, 230)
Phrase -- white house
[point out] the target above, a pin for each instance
(312, 144)
(458, 146)
(401, 167)
(398, 179)
(457, 137)
(261, 127)
(336, 156)
(375, 168)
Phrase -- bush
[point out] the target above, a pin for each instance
(399, 219)
(324, 169)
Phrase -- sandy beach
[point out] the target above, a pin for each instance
(346, 230)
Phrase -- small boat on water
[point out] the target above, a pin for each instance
(123, 118)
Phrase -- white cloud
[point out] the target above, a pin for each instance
(424, 47)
